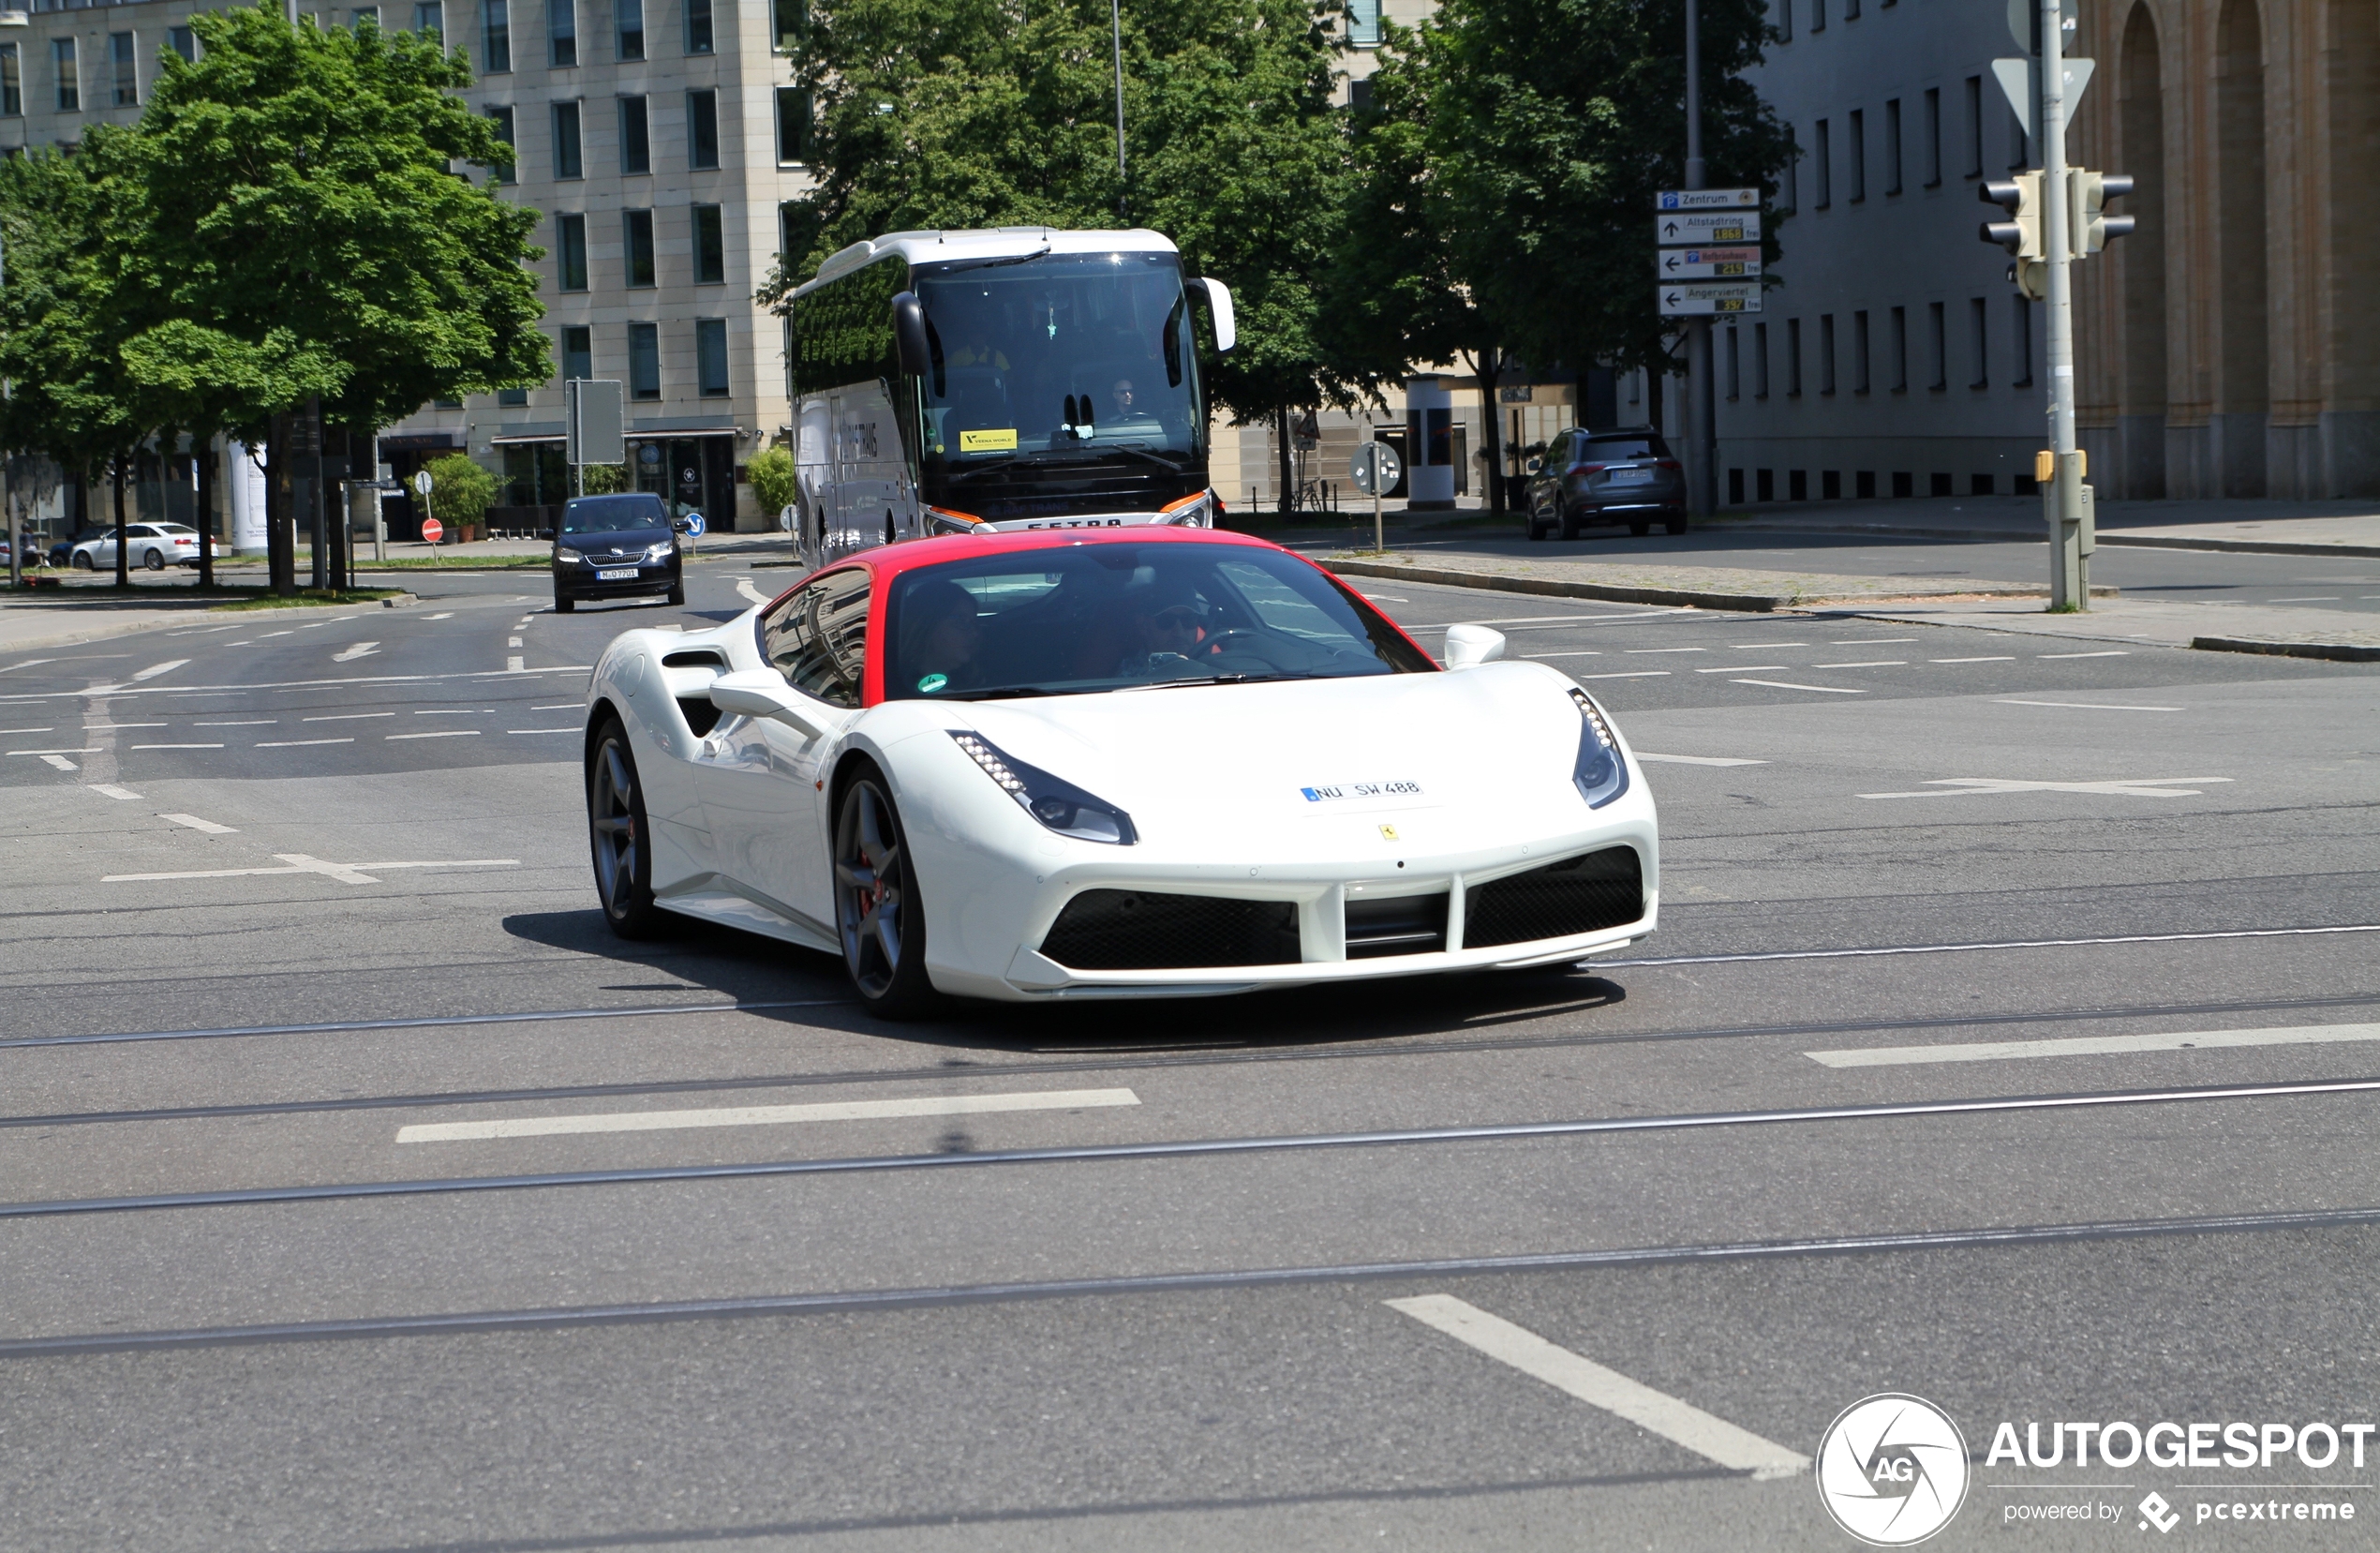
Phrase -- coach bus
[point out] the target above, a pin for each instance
(989, 382)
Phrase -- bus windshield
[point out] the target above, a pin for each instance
(1071, 359)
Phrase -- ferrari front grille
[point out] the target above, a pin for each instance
(1582, 894)
(1132, 929)
(1409, 924)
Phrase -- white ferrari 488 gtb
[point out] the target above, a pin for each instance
(1146, 762)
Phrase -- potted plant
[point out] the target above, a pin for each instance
(460, 494)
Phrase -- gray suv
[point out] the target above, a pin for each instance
(1589, 477)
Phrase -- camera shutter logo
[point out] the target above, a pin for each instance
(1892, 1470)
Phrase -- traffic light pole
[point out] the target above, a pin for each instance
(2062, 503)
(1703, 405)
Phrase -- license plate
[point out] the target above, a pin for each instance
(623, 573)
(1630, 477)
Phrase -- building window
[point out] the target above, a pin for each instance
(710, 357)
(1891, 146)
(630, 17)
(578, 351)
(510, 399)
(430, 20)
(1850, 11)
(1858, 166)
(1785, 19)
(793, 126)
(698, 39)
(1823, 163)
(561, 32)
(11, 83)
(1760, 361)
(1826, 353)
(1900, 350)
(637, 234)
(1818, 16)
(1975, 126)
(1939, 378)
(785, 230)
(362, 14)
(710, 247)
(1735, 364)
(1933, 137)
(643, 361)
(1363, 23)
(1793, 358)
(2024, 342)
(1981, 313)
(182, 42)
(69, 80)
(569, 252)
(1859, 344)
(124, 62)
(567, 161)
(788, 19)
(496, 37)
(502, 114)
(635, 137)
(702, 129)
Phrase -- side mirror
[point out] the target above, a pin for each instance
(1536, 466)
(762, 692)
(678, 526)
(909, 334)
(1467, 645)
(1226, 333)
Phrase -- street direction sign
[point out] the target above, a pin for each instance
(1375, 469)
(1697, 229)
(1706, 198)
(1692, 299)
(695, 526)
(422, 482)
(2021, 83)
(1708, 264)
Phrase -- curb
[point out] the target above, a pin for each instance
(1760, 604)
(2238, 546)
(2341, 653)
(2033, 536)
(101, 632)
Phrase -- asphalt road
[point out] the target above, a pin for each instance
(278, 890)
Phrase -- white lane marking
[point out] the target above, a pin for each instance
(442, 615)
(2112, 652)
(2308, 597)
(441, 733)
(562, 705)
(544, 730)
(299, 743)
(250, 723)
(1870, 641)
(1866, 662)
(1533, 657)
(1634, 650)
(27, 662)
(2081, 706)
(63, 749)
(156, 669)
(512, 641)
(61, 762)
(2091, 1046)
(24, 730)
(767, 1115)
(1779, 684)
(1743, 668)
(512, 665)
(1386, 597)
(109, 790)
(196, 824)
(1767, 647)
(346, 716)
(2004, 659)
(2140, 787)
(744, 586)
(1656, 1412)
(1638, 674)
(298, 863)
(113, 727)
(272, 634)
(313, 626)
(1698, 759)
(361, 650)
(178, 746)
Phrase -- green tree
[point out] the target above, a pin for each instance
(461, 492)
(293, 223)
(964, 113)
(772, 472)
(602, 479)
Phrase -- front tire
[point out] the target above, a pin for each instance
(153, 559)
(677, 595)
(563, 602)
(877, 913)
(1675, 525)
(620, 836)
(1569, 524)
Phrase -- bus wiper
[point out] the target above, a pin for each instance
(984, 468)
(989, 264)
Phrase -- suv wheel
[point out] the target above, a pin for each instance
(1675, 525)
(1569, 525)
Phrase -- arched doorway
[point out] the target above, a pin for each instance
(2141, 127)
(2242, 391)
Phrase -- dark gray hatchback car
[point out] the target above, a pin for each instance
(1590, 477)
(615, 547)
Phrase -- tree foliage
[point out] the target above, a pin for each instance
(461, 492)
(774, 483)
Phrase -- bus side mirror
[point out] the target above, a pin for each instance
(1219, 299)
(909, 333)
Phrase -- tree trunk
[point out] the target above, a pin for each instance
(202, 454)
(1289, 502)
(280, 524)
(122, 544)
(1653, 398)
(1490, 364)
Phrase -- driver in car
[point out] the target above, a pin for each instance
(943, 629)
(1168, 632)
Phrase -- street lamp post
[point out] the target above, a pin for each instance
(1702, 404)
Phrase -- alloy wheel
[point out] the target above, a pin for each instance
(869, 894)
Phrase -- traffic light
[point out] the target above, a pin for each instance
(2086, 195)
(2020, 197)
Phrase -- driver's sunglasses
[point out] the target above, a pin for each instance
(1181, 618)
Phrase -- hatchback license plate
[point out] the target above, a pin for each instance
(625, 574)
(1631, 477)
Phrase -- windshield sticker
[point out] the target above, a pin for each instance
(1003, 441)
(1362, 790)
(933, 682)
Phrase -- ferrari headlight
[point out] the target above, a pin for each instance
(1601, 773)
(569, 558)
(662, 551)
(1060, 805)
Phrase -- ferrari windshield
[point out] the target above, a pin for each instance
(1115, 617)
(1058, 359)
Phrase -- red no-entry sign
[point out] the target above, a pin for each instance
(432, 530)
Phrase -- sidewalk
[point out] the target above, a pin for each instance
(1694, 587)
(2343, 527)
(2212, 627)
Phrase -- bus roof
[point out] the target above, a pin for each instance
(927, 248)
